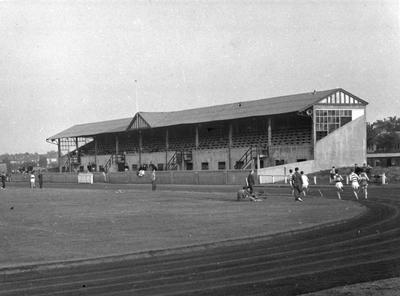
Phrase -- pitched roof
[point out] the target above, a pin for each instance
(94, 128)
(271, 106)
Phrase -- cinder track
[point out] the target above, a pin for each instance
(363, 249)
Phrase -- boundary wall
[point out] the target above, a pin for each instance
(279, 172)
(226, 177)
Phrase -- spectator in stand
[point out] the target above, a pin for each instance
(297, 184)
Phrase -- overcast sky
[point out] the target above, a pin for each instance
(68, 62)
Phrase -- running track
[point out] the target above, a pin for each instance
(363, 249)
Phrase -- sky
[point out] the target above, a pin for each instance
(70, 62)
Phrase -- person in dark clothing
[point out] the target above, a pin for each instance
(40, 177)
(357, 169)
(153, 179)
(250, 182)
(297, 185)
(3, 181)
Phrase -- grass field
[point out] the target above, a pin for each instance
(57, 224)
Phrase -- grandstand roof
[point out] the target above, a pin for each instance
(271, 106)
(94, 128)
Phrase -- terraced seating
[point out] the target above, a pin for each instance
(291, 137)
(186, 143)
(213, 142)
(252, 139)
(87, 148)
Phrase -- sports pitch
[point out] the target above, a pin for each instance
(57, 224)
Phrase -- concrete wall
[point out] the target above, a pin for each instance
(48, 178)
(343, 147)
(234, 177)
(279, 172)
(291, 153)
(183, 177)
(288, 153)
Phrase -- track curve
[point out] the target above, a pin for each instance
(364, 249)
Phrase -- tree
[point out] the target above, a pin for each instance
(43, 161)
(383, 134)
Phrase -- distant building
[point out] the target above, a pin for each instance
(387, 158)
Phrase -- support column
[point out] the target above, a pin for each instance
(59, 155)
(313, 133)
(196, 139)
(96, 149)
(269, 133)
(77, 151)
(116, 145)
(197, 144)
(269, 141)
(140, 148)
(166, 148)
(230, 145)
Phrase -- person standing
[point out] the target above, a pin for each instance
(40, 177)
(291, 181)
(3, 181)
(153, 179)
(250, 182)
(354, 182)
(297, 184)
(32, 180)
(304, 179)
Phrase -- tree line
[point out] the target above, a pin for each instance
(384, 135)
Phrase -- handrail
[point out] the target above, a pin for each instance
(172, 165)
(246, 158)
(109, 163)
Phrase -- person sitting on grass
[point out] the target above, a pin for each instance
(245, 193)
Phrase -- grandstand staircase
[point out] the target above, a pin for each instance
(250, 156)
(71, 163)
(178, 158)
(115, 159)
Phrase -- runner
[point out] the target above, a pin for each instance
(332, 174)
(354, 182)
(364, 183)
(338, 183)
(306, 182)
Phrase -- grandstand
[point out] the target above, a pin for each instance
(325, 127)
